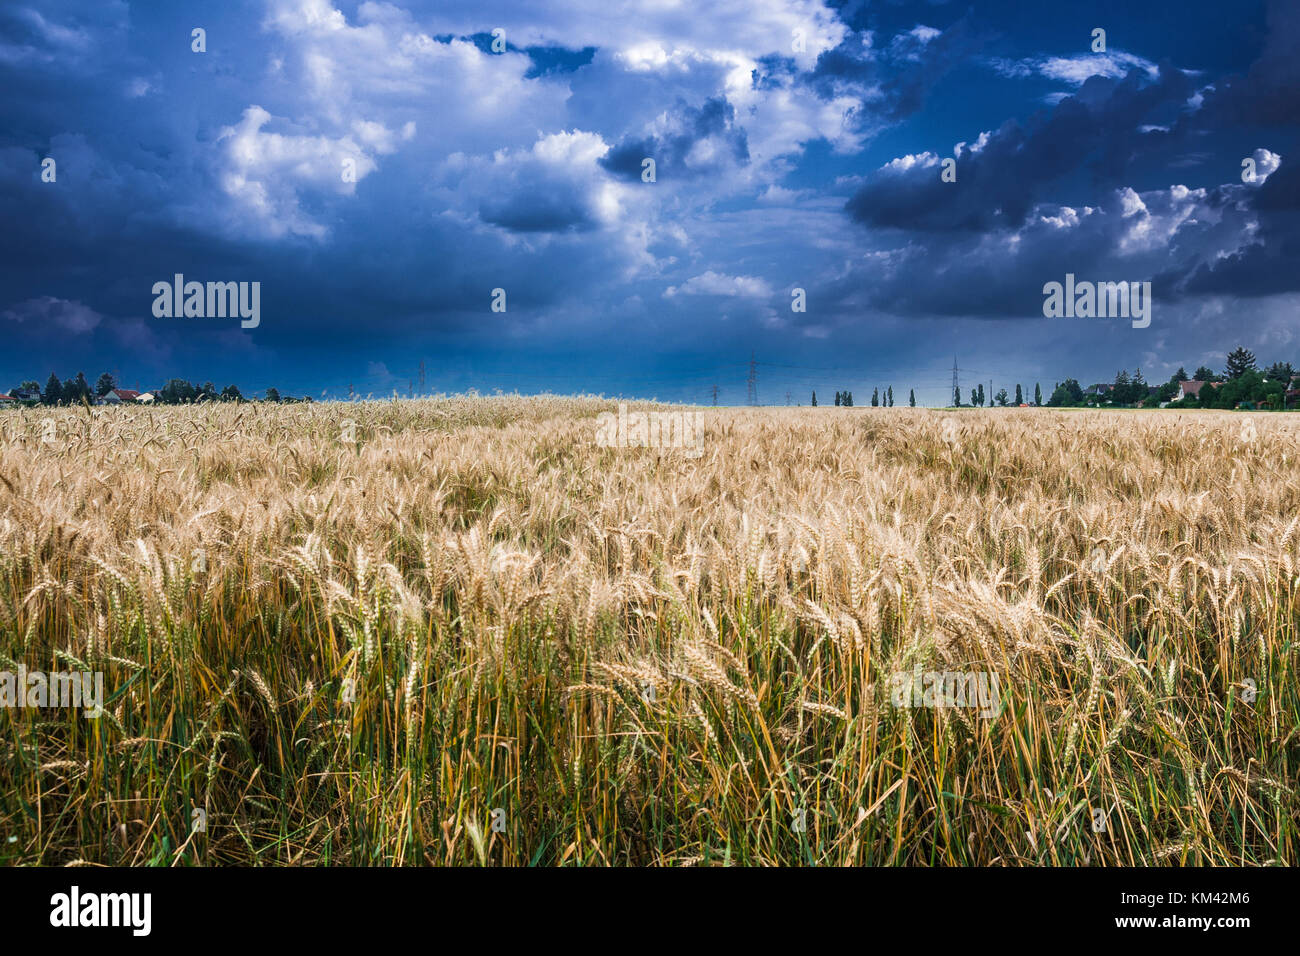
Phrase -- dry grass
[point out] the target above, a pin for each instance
(352, 653)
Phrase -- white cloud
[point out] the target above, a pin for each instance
(556, 185)
(780, 196)
(908, 45)
(263, 171)
(902, 164)
(1157, 216)
(1076, 69)
(1266, 164)
(716, 283)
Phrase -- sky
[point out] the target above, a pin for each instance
(381, 168)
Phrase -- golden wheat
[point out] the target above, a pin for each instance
(351, 632)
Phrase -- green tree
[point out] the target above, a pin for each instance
(1020, 396)
(1272, 394)
(1248, 387)
(1119, 388)
(911, 397)
(875, 398)
(1280, 372)
(1240, 361)
(1001, 397)
(272, 394)
(1067, 394)
(104, 385)
(1038, 394)
(53, 390)
(83, 389)
(1140, 390)
(1129, 390)
(177, 391)
(814, 403)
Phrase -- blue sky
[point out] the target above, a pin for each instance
(797, 144)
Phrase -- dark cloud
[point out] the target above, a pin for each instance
(1269, 93)
(892, 81)
(553, 60)
(539, 212)
(506, 179)
(1267, 266)
(1096, 130)
(672, 151)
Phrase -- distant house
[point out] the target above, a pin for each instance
(117, 396)
(25, 394)
(7, 398)
(145, 399)
(1098, 389)
(1188, 388)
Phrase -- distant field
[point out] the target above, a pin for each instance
(461, 631)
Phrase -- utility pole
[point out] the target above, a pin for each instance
(956, 385)
(715, 396)
(421, 376)
(753, 380)
(787, 398)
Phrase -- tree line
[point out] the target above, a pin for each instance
(1242, 383)
(878, 398)
(177, 391)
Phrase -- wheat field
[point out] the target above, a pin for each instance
(458, 631)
